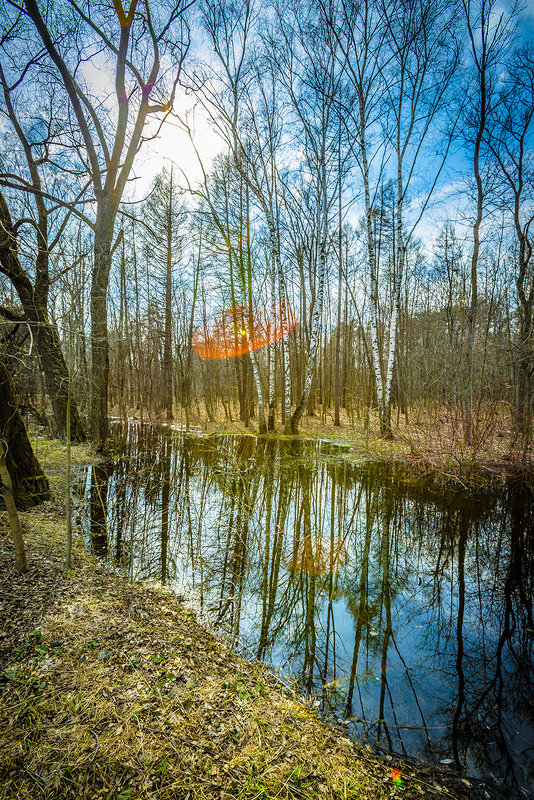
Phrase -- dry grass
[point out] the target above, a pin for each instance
(430, 445)
(51, 454)
(113, 690)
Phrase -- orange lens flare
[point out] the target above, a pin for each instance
(314, 559)
(240, 329)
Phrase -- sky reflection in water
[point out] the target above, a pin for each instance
(406, 613)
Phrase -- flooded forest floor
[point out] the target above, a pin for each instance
(114, 690)
(427, 443)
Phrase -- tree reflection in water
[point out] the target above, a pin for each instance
(406, 612)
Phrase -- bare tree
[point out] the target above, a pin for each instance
(163, 214)
(309, 71)
(246, 113)
(421, 58)
(361, 34)
(144, 32)
(489, 30)
(33, 291)
(509, 136)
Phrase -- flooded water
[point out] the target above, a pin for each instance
(407, 615)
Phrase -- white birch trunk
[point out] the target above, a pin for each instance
(272, 352)
(315, 333)
(400, 258)
(283, 318)
(375, 348)
(261, 403)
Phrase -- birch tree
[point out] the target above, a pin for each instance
(360, 32)
(244, 109)
(421, 57)
(310, 74)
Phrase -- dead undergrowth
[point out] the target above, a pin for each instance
(429, 446)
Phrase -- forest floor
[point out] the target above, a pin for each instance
(428, 444)
(114, 690)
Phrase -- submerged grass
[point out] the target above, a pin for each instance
(113, 690)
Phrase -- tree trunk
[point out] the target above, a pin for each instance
(14, 522)
(262, 427)
(272, 353)
(57, 383)
(473, 308)
(187, 381)
(275, 249)
(99, 327)
(29, 484)
(373, 269)
(44, 332)
(315, 335)
(523, 403)
(337, 378)
(167, 347)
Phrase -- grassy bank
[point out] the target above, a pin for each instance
(114, 690)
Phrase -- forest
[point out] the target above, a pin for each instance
(353, 217)
(266, 399)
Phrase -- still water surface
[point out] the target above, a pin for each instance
(408, 615)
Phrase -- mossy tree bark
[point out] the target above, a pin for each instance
(29, 484)
(14, 522)
(33, 299)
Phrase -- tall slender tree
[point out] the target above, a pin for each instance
(146, 32)
(510, 136)
(162, 215)
(421, 59)
(246, 112)
(309, 71)
(361, 34)
(489, 29)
